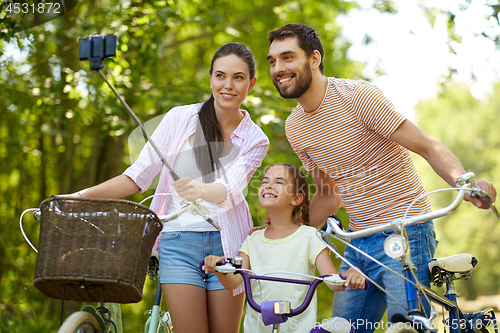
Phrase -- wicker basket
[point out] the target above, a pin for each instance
(94, 242)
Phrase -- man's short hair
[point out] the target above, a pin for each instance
(307, 37)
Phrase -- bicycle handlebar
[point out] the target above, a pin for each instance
(195, 208)
(466, 183)
(233, 265)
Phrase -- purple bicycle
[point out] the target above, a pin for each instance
(277, 312)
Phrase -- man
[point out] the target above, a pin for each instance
(357, 148)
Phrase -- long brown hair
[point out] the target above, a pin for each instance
(208, 139)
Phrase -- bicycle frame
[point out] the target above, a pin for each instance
(277, 312)
(458, 322)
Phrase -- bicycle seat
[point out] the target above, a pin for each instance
(459, 263)
(457, 267)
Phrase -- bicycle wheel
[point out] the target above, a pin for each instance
(162, 326)
(80, 322)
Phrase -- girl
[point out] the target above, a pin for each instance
(285, 245)
(215, 148)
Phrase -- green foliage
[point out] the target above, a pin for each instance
(471, 133)
(61, 128)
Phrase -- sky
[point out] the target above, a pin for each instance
(415, 55)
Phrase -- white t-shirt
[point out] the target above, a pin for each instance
(296, 253)
(185, 166)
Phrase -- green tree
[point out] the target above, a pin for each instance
(472, 135)
(61, 128)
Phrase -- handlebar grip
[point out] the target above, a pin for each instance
(201, 266)
(367, 283)
(223, 267)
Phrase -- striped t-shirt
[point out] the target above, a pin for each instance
(348, 138)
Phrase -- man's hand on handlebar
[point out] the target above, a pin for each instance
(481, 202)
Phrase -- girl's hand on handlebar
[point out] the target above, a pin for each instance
(480, 202)
(210, 263)
(354, 279)
(187, 189)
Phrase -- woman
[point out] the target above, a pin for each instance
(216, 172)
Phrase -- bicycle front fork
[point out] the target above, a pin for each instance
(156, 324)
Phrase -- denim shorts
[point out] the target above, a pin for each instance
(181, 253)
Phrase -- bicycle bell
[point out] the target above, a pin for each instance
(395, 246)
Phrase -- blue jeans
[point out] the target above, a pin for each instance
(181, 253)
(365, 308)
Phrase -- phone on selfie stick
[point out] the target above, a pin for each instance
(95, 49)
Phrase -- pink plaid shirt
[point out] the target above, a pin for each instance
(175, 128)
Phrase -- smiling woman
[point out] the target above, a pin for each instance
(229, 84)
(215, 148)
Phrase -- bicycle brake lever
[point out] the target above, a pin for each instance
(325, 237)
(201, 210)
(334, 279)
(480, 193)
(495, 211)
(226, 268)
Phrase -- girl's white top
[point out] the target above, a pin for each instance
(296, 253)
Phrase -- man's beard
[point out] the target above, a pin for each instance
(301, 85)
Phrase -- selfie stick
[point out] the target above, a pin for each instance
(134, 117)
(197, 207)
(96, 49)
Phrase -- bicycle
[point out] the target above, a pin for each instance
(443, 270)
(278, 311)
(107, 263)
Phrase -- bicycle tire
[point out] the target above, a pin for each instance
(80, 322)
